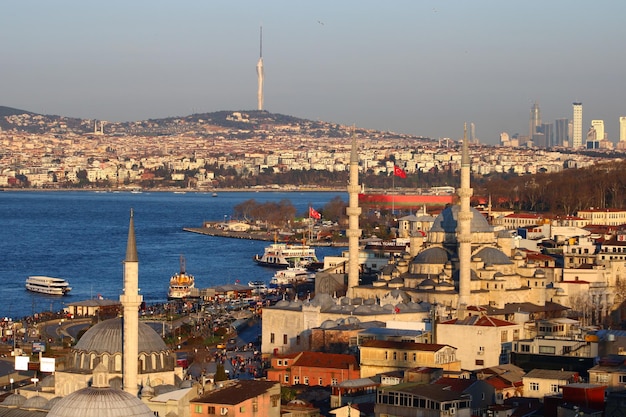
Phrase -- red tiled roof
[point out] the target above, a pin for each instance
(326, 360)
(456, 384)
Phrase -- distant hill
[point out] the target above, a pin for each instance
(238, 119)
(10, 111)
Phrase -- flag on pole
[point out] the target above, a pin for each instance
(314, 213)
(398, 172)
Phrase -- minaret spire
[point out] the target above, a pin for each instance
(353, 211)
(464, 232)
(131, 300)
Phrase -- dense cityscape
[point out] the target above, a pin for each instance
(404, 330)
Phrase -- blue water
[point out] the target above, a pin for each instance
(81, 236)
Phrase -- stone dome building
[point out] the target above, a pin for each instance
(99, 400)
(102, 345)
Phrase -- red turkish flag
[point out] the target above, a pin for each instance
(398, 172)
(314, 213)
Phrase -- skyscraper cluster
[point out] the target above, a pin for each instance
(565, 132)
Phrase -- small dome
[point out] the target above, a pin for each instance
(447, 221)
(106, 337)
(493, 256)
(100, 402)
(14, 400)
(329, 324)
(37, 402)
(434, 255)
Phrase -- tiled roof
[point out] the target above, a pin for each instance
(237, 393)
(482, 320)
(326, 360)
(389, 344)
(456, 384)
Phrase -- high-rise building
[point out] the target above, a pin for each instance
(548, 131)
(622, 128)
(535, 120)
(560, 132)
(598, 127)
(472, 133)
(577, 125)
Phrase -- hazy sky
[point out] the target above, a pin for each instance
(418, 67)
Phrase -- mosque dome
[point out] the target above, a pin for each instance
(447, 221)
(434, 255)
(106, 337)
(14, 400)
(35, 402)
(101, 401)
(493, 256)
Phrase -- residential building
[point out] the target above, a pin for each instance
(313, 369)
(610, 371)
(482, 393)
(240, 399)
(480, 340)
(409, 400)
(541, 382)
(379, 356)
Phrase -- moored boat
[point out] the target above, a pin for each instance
(258, 286)
(291, 275)
(181, 283)
(47, 285)
(281, 255)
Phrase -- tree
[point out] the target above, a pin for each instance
(220, 373)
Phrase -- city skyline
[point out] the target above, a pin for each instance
(421, 68)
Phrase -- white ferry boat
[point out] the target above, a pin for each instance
(258, 287)
(181, 283)
(291, 275)
(282, 255)
(47, 285)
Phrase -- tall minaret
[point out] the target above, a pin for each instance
(464, 232)
(259, 73)
(353, 211)
(130, 303)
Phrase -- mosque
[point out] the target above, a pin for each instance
(462, 262)
(119, 367)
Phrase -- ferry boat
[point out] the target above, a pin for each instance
(181, 283)
(291, 275)
(47, 285)
(281, 255)
(257, 286)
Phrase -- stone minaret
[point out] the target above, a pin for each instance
(464, 232)
(353, 211)
(130, 303)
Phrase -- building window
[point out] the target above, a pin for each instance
(296, 380)
(280, 362)
(284, 339)
(622, 379)
(516, 334)
(320, 381)
(524, 348)
(333, 381)
(286, 379)
(224, 411)
(271, 337)
(547, 350)
(533, 386)
(198, 409)
(242, 409)
(554, 387)
(211, 410)
(394, 356)
(504, 336)
(480, 362)
(306, 380)
(298, 340)
(274, 399)
(255, 405)
(406, 356)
